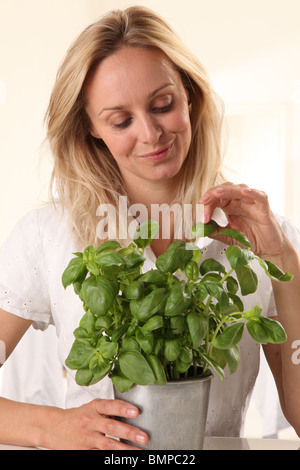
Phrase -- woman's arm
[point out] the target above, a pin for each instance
(248, 210)
(85, 427)
(286, 371)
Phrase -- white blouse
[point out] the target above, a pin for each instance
(31, 265)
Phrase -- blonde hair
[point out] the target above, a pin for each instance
(85, 173)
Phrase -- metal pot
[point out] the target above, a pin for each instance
(173, 415)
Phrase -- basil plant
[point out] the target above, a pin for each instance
(144, 328)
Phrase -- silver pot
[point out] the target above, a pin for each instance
(173, 415)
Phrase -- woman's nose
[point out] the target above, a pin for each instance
(149, 130)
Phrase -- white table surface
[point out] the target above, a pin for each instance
(222, 443)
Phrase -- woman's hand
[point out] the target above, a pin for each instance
(90, 427)
(248, 210)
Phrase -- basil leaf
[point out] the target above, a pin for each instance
(265, 330)
(205, 230)
(98, 294)
(146, 233)
(158, 370)
(109, 245)
(209, 265)
(238, 257)
(154, 276)
(136, 368)
(247, 279)
(274, 272)
(154, 323)
(198, 327)
(145, 339)
(154, 302)
(76, 270)
(178, 301)
(172, 349)
(230, 337)
(121, 383)
(236, 235)
(176, 257)
(80, 355)
(232, 356)
(83, 377)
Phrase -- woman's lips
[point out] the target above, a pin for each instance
(158, 154)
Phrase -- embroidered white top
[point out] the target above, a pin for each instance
(31, 265)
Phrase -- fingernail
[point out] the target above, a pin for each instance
(132, 412)
(141, 438)
(219, 190)
(204, 198)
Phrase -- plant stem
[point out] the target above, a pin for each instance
(227, 275)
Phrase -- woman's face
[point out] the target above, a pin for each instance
(139, 108)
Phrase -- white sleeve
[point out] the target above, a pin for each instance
(23, 274)
(293, 235)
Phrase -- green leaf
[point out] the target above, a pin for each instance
(88, 322)
(176, 257)
(178, 324)
(232, 285)
(154, 302)
(230, 337)
(134, 290)
(257, 330)
(276, 332)
(98, 294)
(192, 270)
(106, 258)
(172, 349)
(186, 355)
(274, 272)
(154, 276)
(253, 312)
(209, 265)
(100, 368)
(109, 245)
(83, 377)
(205, 230)
(236, 235)
(118, 333)
(76, 270)
(136, 368)
(146, 233)
(178, 301)
(232, 356)
(154, 323)
(238, 257)
(247, 279)
(108, 349)
(158, 370)
(145, 339)
(210, 361)
(198, 327)
(105, 321)
(120, 382)
(265, 330)
(80, 355)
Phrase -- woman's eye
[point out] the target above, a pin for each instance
(123, 124)
(162, 109)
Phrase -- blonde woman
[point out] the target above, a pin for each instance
(133, 116)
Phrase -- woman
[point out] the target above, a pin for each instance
(132, 114)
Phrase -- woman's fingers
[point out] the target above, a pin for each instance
(116, 428)
(234, 200)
